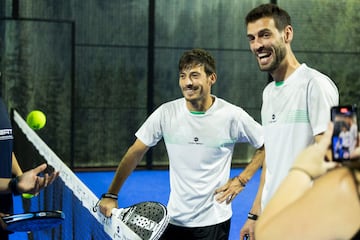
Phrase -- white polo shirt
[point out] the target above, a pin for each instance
(292, 114)
(200, 148)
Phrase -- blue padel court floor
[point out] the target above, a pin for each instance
(153, 185)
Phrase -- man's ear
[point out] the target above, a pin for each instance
(213, 78)
(288, 34)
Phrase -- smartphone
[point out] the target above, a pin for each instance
(345, 135)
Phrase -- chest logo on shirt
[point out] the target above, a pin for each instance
(273, 118)
(196, 141)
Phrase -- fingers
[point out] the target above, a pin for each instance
(227, 196)
(108, 213)
(325, 141)
(37, 187)
(47, 179)
(53, 176)
(221, 189)
(40, 168)
(32, 182)
(230, 198)
(106, 205)
(250, 236)
(247, 236)
(228, 192)
(248, 230)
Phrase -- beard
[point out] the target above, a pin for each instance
(279, 53)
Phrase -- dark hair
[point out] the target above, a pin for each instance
(280, 16)
(197, 57)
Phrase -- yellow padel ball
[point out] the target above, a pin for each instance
(27, 195)
(36, 119)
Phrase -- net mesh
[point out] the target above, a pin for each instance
(68, 193)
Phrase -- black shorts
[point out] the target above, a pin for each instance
(214, 232)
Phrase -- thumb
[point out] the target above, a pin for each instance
(329, 165)
(40, 168)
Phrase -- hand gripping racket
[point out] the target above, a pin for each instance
(33, 221)
(143, 221)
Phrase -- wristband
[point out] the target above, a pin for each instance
(241, 183)
(110, 195)
(105, 195)
(13, 186)
(252, 216)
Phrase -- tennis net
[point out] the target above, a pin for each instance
(68, 193)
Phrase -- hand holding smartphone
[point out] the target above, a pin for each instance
(345, 135)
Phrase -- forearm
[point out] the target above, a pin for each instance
(124, 169)
(256, 207)
(128, 163)
(291, 189)
(4, 185)
(16, 169)
(255, 163)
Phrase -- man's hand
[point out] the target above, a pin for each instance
(106, 205)
(248, 230)
(229, 191)
(30, 182)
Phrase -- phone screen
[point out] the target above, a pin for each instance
(345, 136)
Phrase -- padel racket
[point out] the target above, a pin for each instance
(142, 221)
(33, 221)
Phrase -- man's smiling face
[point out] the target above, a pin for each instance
(267, 43)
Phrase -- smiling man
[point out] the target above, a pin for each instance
(200, 131)
(296, 105)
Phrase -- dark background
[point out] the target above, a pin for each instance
(97, 68)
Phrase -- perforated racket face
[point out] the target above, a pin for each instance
(148, 219)
(33, 221)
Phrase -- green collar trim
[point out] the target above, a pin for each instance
(197, 112)
(278, 84)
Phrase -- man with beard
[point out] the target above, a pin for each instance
(296, 105)
(200, 131)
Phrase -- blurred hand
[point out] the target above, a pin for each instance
(30, 182)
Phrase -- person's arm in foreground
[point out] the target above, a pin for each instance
(327, 208)
(15, 167)
(28, 182)
(234, 186)
(128, 163)
(248, 228)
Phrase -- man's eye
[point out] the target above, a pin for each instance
(250, 38)
(195, 75)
